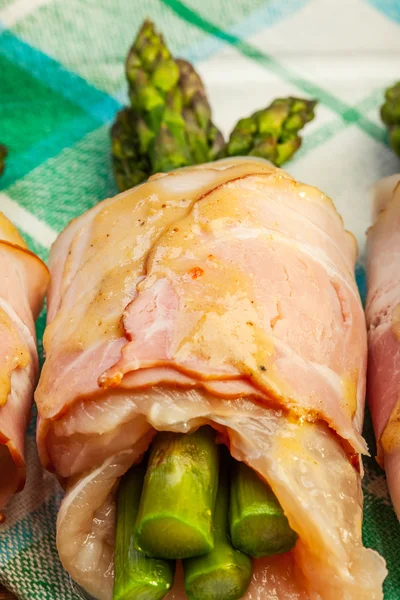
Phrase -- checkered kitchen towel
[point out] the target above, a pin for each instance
(61, 83)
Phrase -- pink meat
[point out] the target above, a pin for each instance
(24, 279)
(383, 320)
(220, 294)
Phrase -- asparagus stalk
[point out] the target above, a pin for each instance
(258, 525)
(3, 154)
(272, 133)
(130, 161)
(224, 573)
(169, 124)
(390, 114)
(136, 576)
(178, 498)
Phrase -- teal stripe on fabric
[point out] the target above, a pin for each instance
(37, 565)
(70, 183)
(20, 164)
(24, 55)
(68, 135)
(99, 105)
(318, 137)
(28, 530)
(266, 16)
(389, 8)
(35, 246)
(380, 525)
(321, 135)
(103, 107)
(361, 280)
(373, 101)
(346, 112)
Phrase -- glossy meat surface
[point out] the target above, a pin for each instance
(383, 320)
(220, 294)
(23, 283)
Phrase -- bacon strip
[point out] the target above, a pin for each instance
(220, 294)
(383, 320)
(23, 284)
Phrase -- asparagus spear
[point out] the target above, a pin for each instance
(131, 163)
(272, 133)
(390, 114)
(258, 525)
(178, 498)
(3, 154)
(169, 125)
(137, 577)
(224, 573)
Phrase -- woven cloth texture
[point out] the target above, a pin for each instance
(61, 83)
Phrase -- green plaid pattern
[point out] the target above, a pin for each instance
(61, 83)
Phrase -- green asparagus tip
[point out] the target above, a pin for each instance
(272, 133)
(178, 498)
(168, 124)
(390, 114)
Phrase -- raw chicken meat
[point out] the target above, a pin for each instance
(24, 279)
(220, 294)
(383, 320)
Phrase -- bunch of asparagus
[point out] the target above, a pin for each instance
(189, 500)
(390, 113)
(168, 123)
